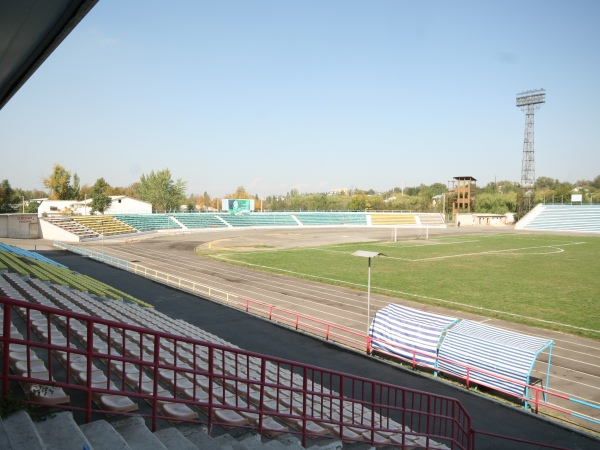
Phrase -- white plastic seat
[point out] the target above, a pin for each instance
(13, 357)
(81, 367)
(49, 395)
(97, 376)
(180, 384)
(117, 403)
(34, 365)
(43, 375)
(175, 411)
(345, 434)
(135, 378)
(102, 385)
(54, 333)
(18, 348)
(121, 367)
(380, 439)
(174, 373)
(69, 357)
(228, 418)
(311, 427)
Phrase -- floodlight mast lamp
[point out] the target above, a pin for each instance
(369, 255)
(529, 102)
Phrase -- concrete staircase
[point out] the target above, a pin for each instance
(60, 431)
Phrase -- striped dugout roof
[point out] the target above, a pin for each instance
(396, 325)
(495, 350)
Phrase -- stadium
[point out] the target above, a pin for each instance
(328, 308)
(294, 330)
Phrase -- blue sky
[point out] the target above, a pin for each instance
(311, 95)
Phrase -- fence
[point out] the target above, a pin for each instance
(224, 383)
(540, 400)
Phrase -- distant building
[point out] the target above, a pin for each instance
(338, 191)
(121, 204)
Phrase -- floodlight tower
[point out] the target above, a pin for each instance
(529, 102)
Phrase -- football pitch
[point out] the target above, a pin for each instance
(546, 281)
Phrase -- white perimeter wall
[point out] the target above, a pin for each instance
(19, 226)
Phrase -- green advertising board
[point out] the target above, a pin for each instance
(238, 206)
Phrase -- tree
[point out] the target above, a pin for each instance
(160, 190)
(75, 191)
(411, 191)
(240, 193)
(545, 183)
(206, 200)
(132, 190)
(86, 191)
(438, 188)
(32, 207)
(100, 201)
(30, 193)
(496, 203)
(59, 183)
(8, 199)
(193, 202)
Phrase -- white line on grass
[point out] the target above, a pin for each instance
(396, 293)
(555, 246)
(425, 244)
(433, 258)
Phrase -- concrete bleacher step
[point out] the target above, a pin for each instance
(20, 433)
(102, 436)
(284, 442)
(4, 442)
(137, 435)
(227, 442)
(198, 437)
(60, 431)
(173, 438)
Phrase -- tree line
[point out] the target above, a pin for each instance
(157, 188)
(168, 194)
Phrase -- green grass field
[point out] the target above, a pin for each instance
(541, 280)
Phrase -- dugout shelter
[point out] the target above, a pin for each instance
(495, 351)
(398, 330)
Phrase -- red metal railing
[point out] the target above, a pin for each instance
(216, 380)
(301, 322)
